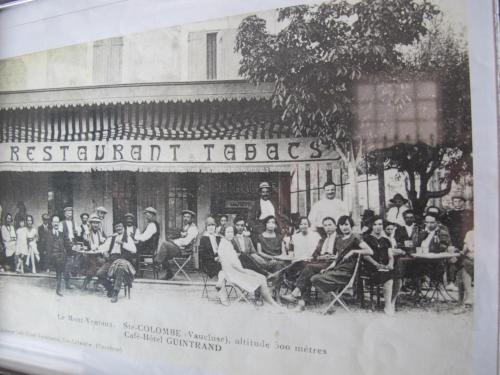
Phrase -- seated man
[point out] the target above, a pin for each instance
(433, 239)
(170, 249)
(323, 256)
(117, 269)
(92, 262)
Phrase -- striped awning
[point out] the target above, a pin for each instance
(156, 120)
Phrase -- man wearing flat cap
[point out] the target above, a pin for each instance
(147, 241)
(261, 209)
(174, 248)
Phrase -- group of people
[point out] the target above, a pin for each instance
(321, 250)
(258, 252)
(87, 249)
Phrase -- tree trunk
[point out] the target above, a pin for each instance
(352, 173)
(381, 186)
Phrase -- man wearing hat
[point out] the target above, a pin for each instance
(261, 209)
(148, 240)
(399, 206)
(328, 206)
(43, 234)
(101, 214)
(68, 229)
(93, 242)
(130, 226)
(117, 269)
(173, 248)
(58, 246)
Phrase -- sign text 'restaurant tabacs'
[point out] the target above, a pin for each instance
(192, 151)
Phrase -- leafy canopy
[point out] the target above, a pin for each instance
(322, 50)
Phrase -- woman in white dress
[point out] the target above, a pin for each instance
(233, 271)
(33, 256)
(21, 245)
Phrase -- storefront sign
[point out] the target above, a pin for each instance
(202, 155)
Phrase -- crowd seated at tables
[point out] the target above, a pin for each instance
(297, 262)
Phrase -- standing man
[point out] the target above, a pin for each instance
(174, 248)
(43, 235)
(84, 229)
(261, 209)
(68, 228)
(395, 213)
(117, 270)
(57, 246)
(130, 226)
(458, 220)
(328, 206)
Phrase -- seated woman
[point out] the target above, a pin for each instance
(270, 245)
(337, 275)
(380, 265)
(233, 271)
(207, 250)
(305, 241)
(465, 274)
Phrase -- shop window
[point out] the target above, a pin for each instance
(212, 56)
(107, 61)
(181, 193)
(60, 193)
(124, 194)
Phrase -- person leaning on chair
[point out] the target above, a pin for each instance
(170, 249)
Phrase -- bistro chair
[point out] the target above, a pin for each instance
(182, 261)
(147, 264)
(337, 297)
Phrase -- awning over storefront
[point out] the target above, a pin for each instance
(227, 135)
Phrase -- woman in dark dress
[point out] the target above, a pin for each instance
(270, 245)
(207, 250)
(380, 265)
(347, 247)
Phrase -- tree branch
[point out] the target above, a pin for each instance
(440, 193)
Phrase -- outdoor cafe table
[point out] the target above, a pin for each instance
(430, 260)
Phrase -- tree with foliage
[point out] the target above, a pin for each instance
(444, 55)
(318, 55)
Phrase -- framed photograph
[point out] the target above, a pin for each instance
(278, 188)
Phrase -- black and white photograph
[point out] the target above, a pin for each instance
(282, 191)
